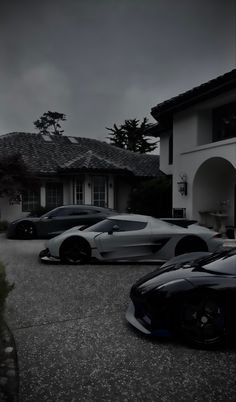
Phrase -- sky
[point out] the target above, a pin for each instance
(101, 62)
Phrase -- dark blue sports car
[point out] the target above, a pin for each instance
(57, 221)
(193, 296)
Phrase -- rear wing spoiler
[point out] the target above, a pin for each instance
(184, 223)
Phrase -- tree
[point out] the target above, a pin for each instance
(49, 123)
(152, 197)
(132, 136)
(15, 178)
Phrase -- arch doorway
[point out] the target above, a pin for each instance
(214, 190)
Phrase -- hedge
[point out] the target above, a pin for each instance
(5, 288)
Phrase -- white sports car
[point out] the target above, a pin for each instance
(128, 237)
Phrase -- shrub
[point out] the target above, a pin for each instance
(5, 288)
(152, 197)
(3, 226)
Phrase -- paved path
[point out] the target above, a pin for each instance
(74, 344)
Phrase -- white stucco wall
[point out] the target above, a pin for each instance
(67, 191)
(10, 212)
(190, 161)
(192, 147)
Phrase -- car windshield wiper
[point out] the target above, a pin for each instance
(213, 257)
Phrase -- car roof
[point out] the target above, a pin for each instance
(83, 206)
(133, 217)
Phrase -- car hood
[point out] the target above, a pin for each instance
(185, 267)
(33, 219)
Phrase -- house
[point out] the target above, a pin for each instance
(75, 170)
(197, 131)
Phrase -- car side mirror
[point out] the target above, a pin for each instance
(115, 228)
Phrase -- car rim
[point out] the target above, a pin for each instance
(74, 252)
(203, 322)
(25, 230)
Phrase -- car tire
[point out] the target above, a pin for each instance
(25, 230)
(190, 244)
(201, 322)
(75, 250)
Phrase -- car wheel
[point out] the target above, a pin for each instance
(190, 244)
(202, 322)
(75, 251)
(25, 230)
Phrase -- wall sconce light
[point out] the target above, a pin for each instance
(183, 185)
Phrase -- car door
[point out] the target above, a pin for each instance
(128, 239)
(55, 222)
(73, 216)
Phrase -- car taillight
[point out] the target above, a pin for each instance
(217, 235)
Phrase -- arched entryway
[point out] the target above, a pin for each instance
(214, 190)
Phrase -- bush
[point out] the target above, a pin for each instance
(3, 226)
(152, 197)
(5, 288)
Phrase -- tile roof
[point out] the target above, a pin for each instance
(61, 155)
(214, 87)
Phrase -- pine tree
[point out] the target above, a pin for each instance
(48, 123)
(132, 136)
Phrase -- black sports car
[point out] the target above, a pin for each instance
(57, 221)
(192, 296)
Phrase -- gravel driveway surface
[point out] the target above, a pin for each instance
(74, 344)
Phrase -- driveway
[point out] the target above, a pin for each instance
(74, 344)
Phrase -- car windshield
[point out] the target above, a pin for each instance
(108, 225)
(222, 262)
(49, 213)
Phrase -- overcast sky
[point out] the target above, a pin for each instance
(103, 61)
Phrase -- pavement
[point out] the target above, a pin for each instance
(73, 342)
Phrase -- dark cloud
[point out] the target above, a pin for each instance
(101, 62)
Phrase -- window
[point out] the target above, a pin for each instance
(76, 212)
(79, 191)
(122, 226)
(73, 140)
(54, 195)
(47, 138)
(179, 212)
(224, 122)
(30, 200)
(171, 149)
(99, 191)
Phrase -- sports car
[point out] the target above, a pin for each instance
(129, 237)
(192, 295)
(56, 221)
